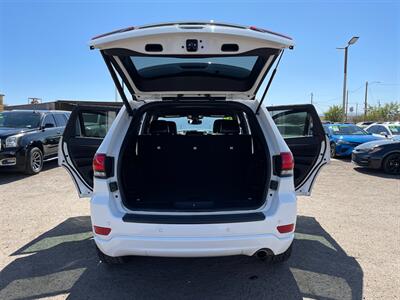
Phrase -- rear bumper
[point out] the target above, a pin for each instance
(193, 240)
(193, 247)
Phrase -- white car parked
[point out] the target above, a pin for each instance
(388, 130)
(193, 164)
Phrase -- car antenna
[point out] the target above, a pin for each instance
(269, 82)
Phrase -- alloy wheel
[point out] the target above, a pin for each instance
(36, 161)
(392, 165)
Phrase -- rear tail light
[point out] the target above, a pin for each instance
(284, 164)
(102, 165)
(285, 228)
(101, 230)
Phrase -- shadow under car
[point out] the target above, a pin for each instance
(63, 261)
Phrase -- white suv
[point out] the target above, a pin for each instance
(193, 164)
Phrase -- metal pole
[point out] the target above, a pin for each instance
(347, 105)
(312, 96)
(345, 83)
(356, 109)
(366, 101)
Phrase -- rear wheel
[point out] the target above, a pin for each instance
(34, 161)
(109, 260)
(391, 164)
(333, 150)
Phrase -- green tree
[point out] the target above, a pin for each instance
(334, 113)
(387, 112)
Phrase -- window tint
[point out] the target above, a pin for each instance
(61, 120)
(49, 120)
(96, 124)
(293, 124)
(233, 66)
(232, 73)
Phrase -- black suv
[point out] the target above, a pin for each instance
(30, 137)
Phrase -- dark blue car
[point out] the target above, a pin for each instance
(345, 137)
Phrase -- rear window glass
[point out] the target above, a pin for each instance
(235, 73)
(187, 125)
(234, 66)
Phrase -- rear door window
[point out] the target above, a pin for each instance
(61, 120)
(49, 119)
(96, 124)
(293, 124)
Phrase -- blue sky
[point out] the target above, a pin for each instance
(44, 52)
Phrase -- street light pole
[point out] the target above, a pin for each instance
(352, 41)
(345, 85)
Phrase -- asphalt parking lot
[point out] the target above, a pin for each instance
(347, 247)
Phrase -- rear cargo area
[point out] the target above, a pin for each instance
(165, 169)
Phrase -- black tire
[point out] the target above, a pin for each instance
(333, 150)
(391, 164)
(280, 258)
(34, 161)
(109, 260)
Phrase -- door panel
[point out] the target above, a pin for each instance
(84, 133)
(51, 137)
(302, 130)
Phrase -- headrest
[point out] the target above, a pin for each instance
(172, 127)
(226, 127)
(162, 127)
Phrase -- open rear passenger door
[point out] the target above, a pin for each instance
(302, 130)
(83, 134)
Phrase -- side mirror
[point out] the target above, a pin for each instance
(384, 133)
(48, 125)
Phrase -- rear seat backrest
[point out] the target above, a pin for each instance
(162, 127)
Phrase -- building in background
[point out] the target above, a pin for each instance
(60, 105)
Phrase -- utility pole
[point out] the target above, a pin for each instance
(346, 105)
(312, 96)
(351, 42)
(366, 98)
(356, 109)
(366, 101)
